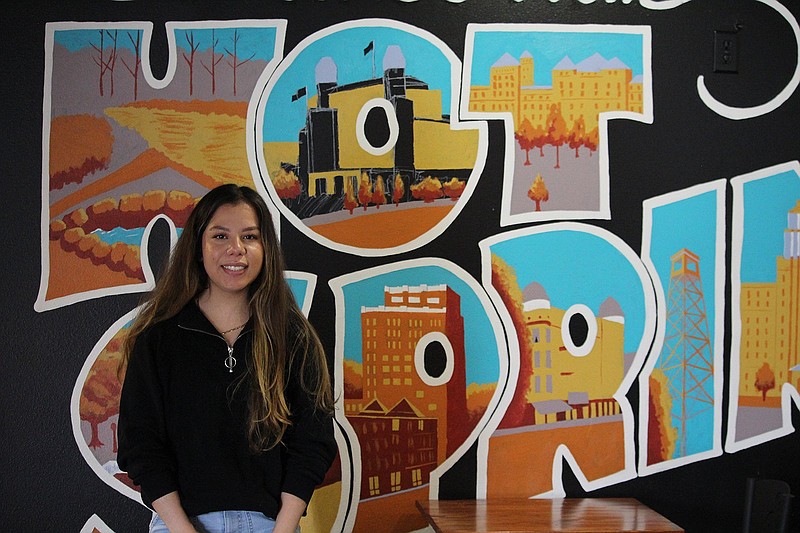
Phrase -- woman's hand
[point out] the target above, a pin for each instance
(169, 509)
(288, 518)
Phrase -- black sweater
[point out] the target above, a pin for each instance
(183, 424)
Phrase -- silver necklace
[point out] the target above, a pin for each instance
(233, 329)
(230, 361)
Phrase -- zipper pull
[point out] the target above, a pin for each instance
(230, 361)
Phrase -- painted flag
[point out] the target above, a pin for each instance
(299, 94)
(369, 47)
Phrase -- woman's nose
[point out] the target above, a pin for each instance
(236, 246)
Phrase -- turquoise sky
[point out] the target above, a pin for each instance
(424, 61)
(691, 224)
(482, 356)
(767, 203)
(299, 288)
(548, 48)
(258, 41)
(578, 268)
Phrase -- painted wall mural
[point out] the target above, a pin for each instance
(124, 148)
(765, 375)
(579, 308)
(363, 115)
(369, 138)
(681, 389)
(556, 87)
(417, 368)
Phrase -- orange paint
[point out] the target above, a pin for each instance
(386, 229)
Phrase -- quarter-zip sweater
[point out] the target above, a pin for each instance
(183, 424)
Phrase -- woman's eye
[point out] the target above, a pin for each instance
(251, 237)
(219, 236)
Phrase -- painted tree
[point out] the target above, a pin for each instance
(100, 395)
(504, 280)
(353, 378)
(286, 184)
(576, 134)
(350, 200)
(661, 434)
(379, 192)
(538, 192)
(454, 188)
(71, 161)
(105, 62)
(193, 46)
(525, 137)
(211, 68)
(427, 190)
(235, 61)
(765, 380)
(556, 131)
(133, 70)
(399, 190)
(364, 190)
(112, 58)
(539, 139)
(592, 140)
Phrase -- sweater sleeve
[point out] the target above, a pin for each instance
(144, 451)
(311, 447)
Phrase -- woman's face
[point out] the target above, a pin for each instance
(233, 253)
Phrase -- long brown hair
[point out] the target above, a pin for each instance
(283, 339)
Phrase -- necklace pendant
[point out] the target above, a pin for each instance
(230, 361)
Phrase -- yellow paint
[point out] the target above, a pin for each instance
(211, 143)
(349, 104)
(322, 509)
(599, 373)
(436, 146)
(577, 94)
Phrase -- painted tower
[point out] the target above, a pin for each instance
(686, 357)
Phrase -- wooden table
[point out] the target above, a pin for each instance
(595, 515)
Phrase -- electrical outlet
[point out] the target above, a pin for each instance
(726, 51)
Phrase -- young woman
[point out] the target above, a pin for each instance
(225, 417)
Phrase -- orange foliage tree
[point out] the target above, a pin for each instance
(661, 434)
(454, 188)
(364, 190)
(79, 145)
(350, 200)
(427, 190)
(398, 191)
(556, 131)
(286, 184)
(591, 140)
(379, 193)
(100, 395)
(504, 280)
(526, 138)
(353, 376)
(478, 397)
(576, 134)
(765, 380)
(538, 192)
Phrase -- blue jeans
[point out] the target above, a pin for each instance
(223, 522)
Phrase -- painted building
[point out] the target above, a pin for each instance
(563, 386)
(770, 343)
(413, 352)
(335, 146)
(398, 448)
(582, 90)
